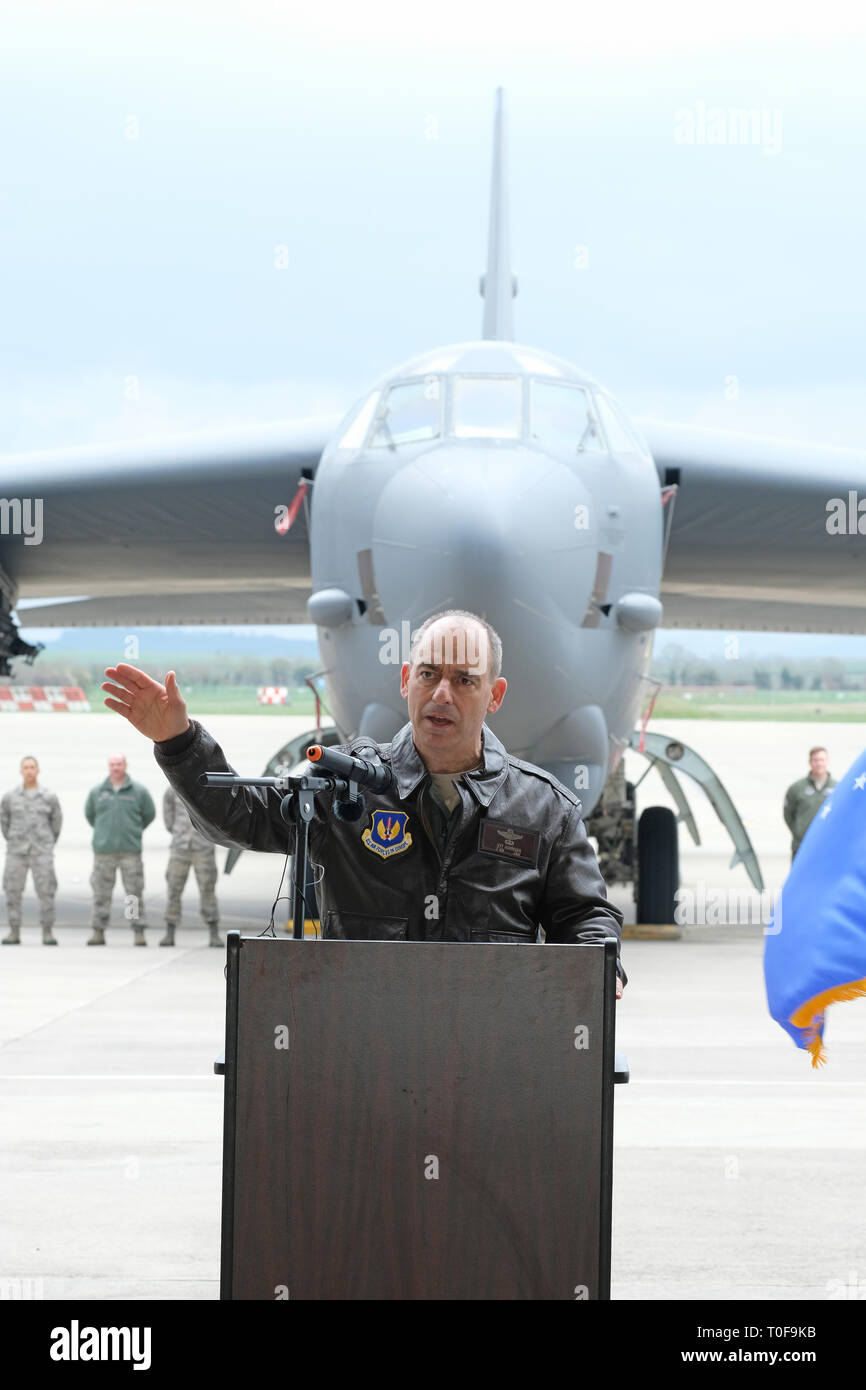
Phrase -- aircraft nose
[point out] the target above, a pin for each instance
(502, 529)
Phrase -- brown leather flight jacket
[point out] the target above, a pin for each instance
(516, 857)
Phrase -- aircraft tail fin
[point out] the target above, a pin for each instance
(498, 284)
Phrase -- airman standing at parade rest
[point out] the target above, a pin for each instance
(30, 820)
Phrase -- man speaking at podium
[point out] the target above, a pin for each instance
(467, 844)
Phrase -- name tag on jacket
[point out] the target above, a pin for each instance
(508, 841)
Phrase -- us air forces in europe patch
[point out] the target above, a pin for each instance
(388, 834)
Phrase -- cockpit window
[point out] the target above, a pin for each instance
(629, 426)
(620, 438)
(486, 407)
(410, 412)
(564, 418)
(355, 432)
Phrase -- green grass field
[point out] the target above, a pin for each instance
(837, 706)
(229, 699)
(843, 706)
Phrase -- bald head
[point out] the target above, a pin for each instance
(458, 638)
(117, 769)
(452, 683)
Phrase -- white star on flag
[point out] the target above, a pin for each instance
(826, 809)
(860, 782)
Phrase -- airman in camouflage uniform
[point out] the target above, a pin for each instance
(189, 849)
(30, 819)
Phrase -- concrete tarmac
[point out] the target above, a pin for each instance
(737, 1167)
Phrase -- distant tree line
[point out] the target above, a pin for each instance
(676, 665)
(230, 671)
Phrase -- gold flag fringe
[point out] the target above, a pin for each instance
(810, 1016)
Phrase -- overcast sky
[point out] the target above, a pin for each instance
(157, 158)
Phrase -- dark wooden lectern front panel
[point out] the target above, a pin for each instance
(418, 1121)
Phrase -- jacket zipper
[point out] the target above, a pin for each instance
(444, 859)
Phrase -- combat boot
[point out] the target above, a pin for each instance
(98, 937)
(168, 939)
(14, 937)
(48, 937)
(138, 937)
(214, 938)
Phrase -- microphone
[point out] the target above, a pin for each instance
(367, 774)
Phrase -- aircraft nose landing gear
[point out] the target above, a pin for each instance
(658, 865)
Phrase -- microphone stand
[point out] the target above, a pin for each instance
(298, 807)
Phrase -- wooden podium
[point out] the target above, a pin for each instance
(412, 1120)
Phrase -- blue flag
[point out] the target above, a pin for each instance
(815, 952)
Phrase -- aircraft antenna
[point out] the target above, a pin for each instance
(498, 284)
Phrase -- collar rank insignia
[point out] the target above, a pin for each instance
(388, 834)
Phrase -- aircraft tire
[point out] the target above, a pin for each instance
(658, 865)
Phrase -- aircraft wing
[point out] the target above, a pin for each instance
(755, 538)
(181, 530)
(176, 530)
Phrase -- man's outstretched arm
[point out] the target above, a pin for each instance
(244, 816)
(157, 711)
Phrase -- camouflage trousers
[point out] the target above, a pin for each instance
(40, 863)
(179, 864)
(105, 867)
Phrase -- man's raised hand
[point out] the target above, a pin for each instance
(157, 711)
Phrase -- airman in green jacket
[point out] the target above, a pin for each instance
(119, 810)
(804, 799)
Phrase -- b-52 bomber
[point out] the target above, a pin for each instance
(485, 475)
